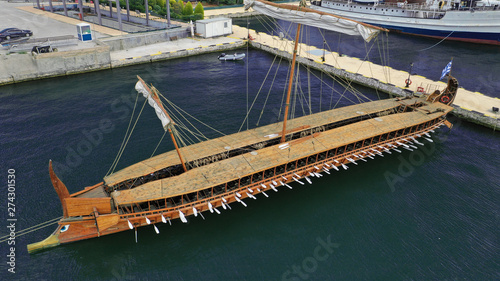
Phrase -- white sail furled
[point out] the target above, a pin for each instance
(315, 18)
(153, 101)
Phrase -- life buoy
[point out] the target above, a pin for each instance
(445, 99)
(408, 82)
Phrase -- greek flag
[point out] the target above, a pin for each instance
(446, 70)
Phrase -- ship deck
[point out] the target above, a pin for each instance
(248, 163)
(245, 138)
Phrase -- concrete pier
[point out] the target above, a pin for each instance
(472, 106)
(117, 49)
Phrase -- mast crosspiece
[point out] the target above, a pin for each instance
(151, 93)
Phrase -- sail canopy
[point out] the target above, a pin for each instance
(315, 18)
(154, 101)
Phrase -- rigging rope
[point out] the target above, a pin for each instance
(258, 92)
(31, 229)
(164, 133)
(180, 111)
(269, 92)
(125, 136)
(247, 64)
(128, 138)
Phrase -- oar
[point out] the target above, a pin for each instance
(285, 185)
(251, 196)
(308, 180)
(238, 199)
(351, 160)
(183, 218)
(297, 180)
(227, 205)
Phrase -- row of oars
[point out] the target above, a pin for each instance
(406, 143)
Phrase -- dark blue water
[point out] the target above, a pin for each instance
(431, 214)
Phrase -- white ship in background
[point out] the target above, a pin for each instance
(469, 21)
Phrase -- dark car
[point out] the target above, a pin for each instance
(11, 33)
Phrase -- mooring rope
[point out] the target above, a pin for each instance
(31, 229)
(436, 43)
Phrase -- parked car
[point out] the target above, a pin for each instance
(11, 33)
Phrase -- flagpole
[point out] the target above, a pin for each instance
(451, 66)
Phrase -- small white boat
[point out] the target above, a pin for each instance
(231, 57)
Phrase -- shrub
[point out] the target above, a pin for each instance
(188, 9)
(196, 17)
(178, 7)
(199, 10)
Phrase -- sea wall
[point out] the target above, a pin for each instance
(178, 53)
(478, 117)
(129, 41)
(23, 67)
(16, 68)
(490, 120)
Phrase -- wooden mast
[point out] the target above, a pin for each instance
(154, 95)
(292, 71)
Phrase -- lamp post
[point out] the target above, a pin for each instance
(168, 13)
(408, 81)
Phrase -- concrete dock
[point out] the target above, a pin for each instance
(116, 49)
(473, 106)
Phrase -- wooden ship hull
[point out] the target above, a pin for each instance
(232, 168)
(213, 174)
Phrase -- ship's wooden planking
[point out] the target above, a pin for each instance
(242, 165)
(242, 139)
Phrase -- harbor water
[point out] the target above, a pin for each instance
(428, 214)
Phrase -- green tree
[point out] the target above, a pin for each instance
(161, 3)
(188, 9)
(199, 10)
(178, 7)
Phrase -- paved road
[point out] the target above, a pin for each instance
(42, 26)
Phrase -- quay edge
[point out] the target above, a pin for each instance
(25, 67)
(479, 118)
